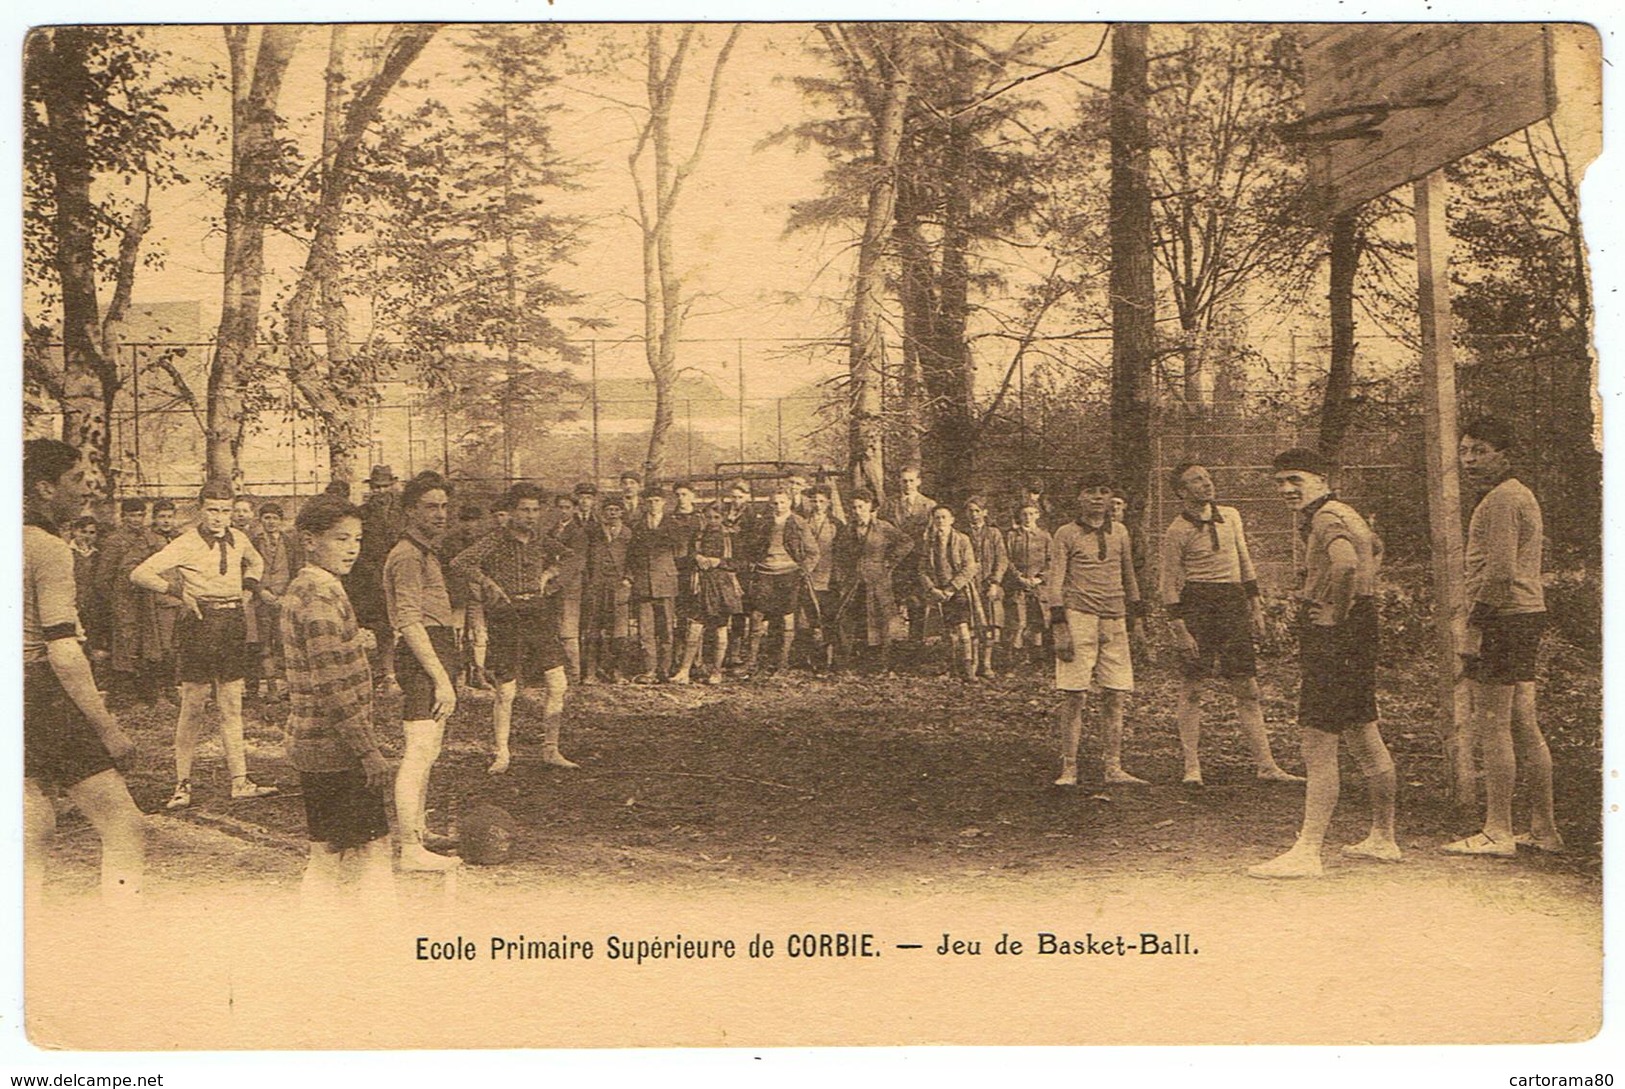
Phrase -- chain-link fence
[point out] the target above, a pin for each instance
(586, 415)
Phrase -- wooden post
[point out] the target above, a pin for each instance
(1444, 488)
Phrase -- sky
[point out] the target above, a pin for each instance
(749, 278)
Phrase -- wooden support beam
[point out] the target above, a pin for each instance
(1444, 486)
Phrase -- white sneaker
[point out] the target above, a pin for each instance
(182, 796)
(416, 858)
(246, 789)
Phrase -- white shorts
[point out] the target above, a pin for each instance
(1100, 654)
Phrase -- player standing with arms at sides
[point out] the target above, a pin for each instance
(1028, 547)
(607, 601)
(1210, 590)
(782, 555)
(342, 772)
(947, 582)
(716, 597)
(825, 523)
(867, 552)
(512, 570)
(572, 534)
(910, 511)
(992, 561)
(212, 565)
(273, 546)
(1507, 610)
(1093, 596)
(70, 740)
(651, 563)
(739, 514)
(1337, 653)
(419, 606)
(683, 522)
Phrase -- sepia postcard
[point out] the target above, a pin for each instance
(810, 534)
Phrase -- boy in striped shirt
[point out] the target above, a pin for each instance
(342, 771)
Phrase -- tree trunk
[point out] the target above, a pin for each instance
(917, 294)
(662, 294)
(950, 370)
(1132, 285)
(88, 378)
(337, 393)
(866, 345)
(255, 86)
(662, 301)
(1337, 410)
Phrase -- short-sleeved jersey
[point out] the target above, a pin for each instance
(1091, 569)
(1213, 549)
(1330, 520)
(50, 605)
(415, 590)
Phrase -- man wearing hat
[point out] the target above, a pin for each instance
(607, 595)
(381, 526)
(631, 496)
(208, 569)
(1337, 654)
(512, 570)
(1094, 597)
(651, 564)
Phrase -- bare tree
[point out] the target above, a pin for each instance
(658, 195)
(1226, 187)
(878, 61)
(256, 155)
(336, 383)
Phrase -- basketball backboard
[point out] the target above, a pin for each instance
(1386, 104)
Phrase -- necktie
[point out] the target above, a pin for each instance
(221, 541)
(1211, 522)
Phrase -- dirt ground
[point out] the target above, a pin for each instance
(913, 776)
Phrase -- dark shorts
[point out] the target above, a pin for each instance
(1509, 650)
(341, 810)
(523, 642)
(1218, 616)
(60, 746)
(775, 594)
(214, 648)
(958, 609)
(417, 687)
(1339, 666)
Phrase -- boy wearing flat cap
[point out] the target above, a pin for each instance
(1337, 653)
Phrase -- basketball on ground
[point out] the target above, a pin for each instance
(488, 835)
